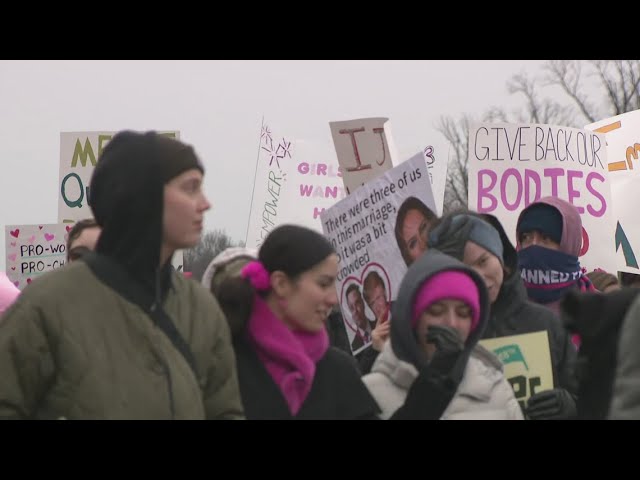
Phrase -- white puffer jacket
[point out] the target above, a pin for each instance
(483, 394)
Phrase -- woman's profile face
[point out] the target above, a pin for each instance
(415, 229)
(310, 298)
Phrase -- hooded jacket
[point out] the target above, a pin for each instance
(571, 239)
(512, 313)
(598, 319)
(83, 342)
(73, 347)
(483, 391)
(126, 196)
(625, 401)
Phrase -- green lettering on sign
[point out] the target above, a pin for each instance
(509, 354)
(621, 239)
(101, 142)
(79, 153)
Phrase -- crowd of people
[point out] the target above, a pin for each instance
(117, 333)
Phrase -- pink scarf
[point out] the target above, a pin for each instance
(289, 356)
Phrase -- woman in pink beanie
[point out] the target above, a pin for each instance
(448, 299)
(433, 367)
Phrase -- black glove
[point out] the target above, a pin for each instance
(555, 404)
(433, 389)
(447, 361)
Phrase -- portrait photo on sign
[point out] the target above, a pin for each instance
(365, 302)
(412, 227)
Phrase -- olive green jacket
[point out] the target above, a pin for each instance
(72, 347)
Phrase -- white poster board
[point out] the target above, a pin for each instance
(622, 134)
(295, 181)
(365, 149)
(362, 230)
(513, 165)
(32, 250)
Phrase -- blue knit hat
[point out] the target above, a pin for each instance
(451, 235)
(544, 218)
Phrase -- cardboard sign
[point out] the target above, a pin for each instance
(372, 257)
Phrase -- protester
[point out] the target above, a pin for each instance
(82, 238)
(481, 243)
(286, 368)
(432, 367)
(119, 334)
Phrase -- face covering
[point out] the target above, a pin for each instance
(549, 274)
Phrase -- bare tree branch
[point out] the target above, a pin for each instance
(633, 67)
(457, 185)
(619, 82)
(608, 84)
(568, 75)
(197, 259)
(521, 84)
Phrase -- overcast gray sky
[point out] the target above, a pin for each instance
(217, 106)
